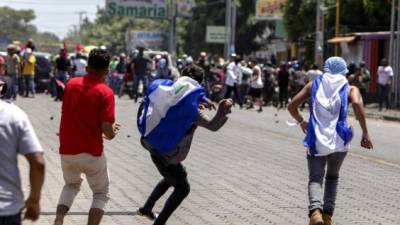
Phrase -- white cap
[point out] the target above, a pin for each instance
(189, 60)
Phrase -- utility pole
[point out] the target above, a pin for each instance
(228, 28)
(80, 13)
(233, 30)
(392, 33)
(319, 34)
(337, 25)
(172, 27)
(397, 58)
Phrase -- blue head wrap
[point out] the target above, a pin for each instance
(336, 65)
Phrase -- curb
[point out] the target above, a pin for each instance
(392, 118)
(379, 117)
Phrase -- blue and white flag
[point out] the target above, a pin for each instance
(328, 131)
(170, 110)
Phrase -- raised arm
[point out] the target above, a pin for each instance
(356, 101)
(220, 118)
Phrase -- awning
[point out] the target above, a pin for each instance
(341, 39)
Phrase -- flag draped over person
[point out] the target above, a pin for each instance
(169, 111)
(328, 131)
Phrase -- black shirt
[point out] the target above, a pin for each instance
(141, 64)
(63, 64)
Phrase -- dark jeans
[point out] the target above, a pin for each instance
(175, 176)
(137, 79)
(383, 95)
(11, 220)
(319, 199)
(283, 96)
(234, 89)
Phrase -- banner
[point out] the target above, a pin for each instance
(149, 39)
(215, 34)
(137, 8)
(269, 9)
(184, 8)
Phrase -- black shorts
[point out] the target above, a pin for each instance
(255, 92)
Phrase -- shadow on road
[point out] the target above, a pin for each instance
(115, 213)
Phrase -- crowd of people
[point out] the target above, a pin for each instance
(168, 135)
(250, 82)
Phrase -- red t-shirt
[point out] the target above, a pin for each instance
(87, 103)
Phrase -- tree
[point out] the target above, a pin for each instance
(355, 16)
(16, 24)
(111, 31)
(211, 12)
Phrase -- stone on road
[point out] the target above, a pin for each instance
(252, 172)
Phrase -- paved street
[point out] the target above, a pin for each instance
(252, 172)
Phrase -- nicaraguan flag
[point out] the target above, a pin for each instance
(169, 111)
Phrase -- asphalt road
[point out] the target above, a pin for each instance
(253, 171)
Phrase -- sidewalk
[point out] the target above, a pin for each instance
(372, 111)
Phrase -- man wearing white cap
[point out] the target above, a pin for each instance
(13, 65)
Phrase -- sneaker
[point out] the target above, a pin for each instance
(316, 218)
(147, 213)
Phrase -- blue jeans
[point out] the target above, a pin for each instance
(138, 78)
(319, 199)
(11, 220)
(12, 87)
(62, 76)
(29, 85)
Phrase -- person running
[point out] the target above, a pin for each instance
(168, 153)
(256, 87)
(327, 134)
(17, 137)
(28, 71)
(88, 115)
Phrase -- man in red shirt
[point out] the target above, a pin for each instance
(88, 116)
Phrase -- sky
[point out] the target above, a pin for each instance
(57, 16)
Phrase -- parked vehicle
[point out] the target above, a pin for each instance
(43, 69)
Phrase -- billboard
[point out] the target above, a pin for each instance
(137, 8)
(269, 9)
(184, 8)
(215, 34)
(149, 39)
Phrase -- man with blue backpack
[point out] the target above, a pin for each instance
(167, 120)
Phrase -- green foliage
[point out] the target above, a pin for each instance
(16, 26)
(208, 12)
(111, 31)
(355, 16)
